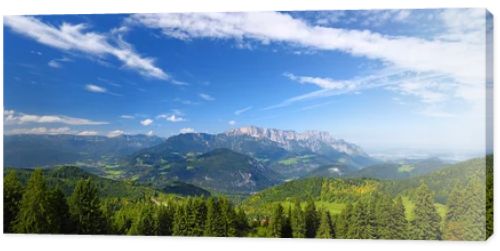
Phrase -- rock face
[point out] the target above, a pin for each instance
(314, 141)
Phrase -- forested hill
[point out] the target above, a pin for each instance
(339, 190)
(66, 177)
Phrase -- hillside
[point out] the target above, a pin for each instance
(335, 192)
(399, 170)
(40, 150)
(288, 153)
(66, 177)
(220, 170)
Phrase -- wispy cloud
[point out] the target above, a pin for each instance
(437, 55)
(231, 122)
(57, 62)
(13, 117)
(115, 133)
(95, 88)
(187, 130)
(171, 117)
(75, 37)
(150, 133)
(206, 97)
(127, 116)
(40, 130)
(146, 122)
(87, 133)
(243, 110)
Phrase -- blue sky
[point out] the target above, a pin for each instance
(388, 79)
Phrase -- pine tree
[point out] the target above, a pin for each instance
(287, 224)
(454, 227)
(277, 221)
(12, 195)
(298, 222)
(242, 225)
(311, 219)
(343, 222)
(85, 208)
(215, 223)
(180, 227)
(145, 222)
(165, 215)
(325, 229)
(60, 212)
(399, 224)
(229, 217)
(199, 216)
(35, 212)
(384, 217)
(475, 214)
(358, 225)
(426, 225)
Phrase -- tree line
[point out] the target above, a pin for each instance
(36, 208)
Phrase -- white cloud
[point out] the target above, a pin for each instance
(115, 133)
(54, 64)
(127, 116)
(87, 133)
(12, 117)
(74, 37)
(232, 122)
(171, 117)
(40, 130)
(427, 87)
(95, 88)
(206, 97)
(323, 83)
(243, 110)
(146, 122)
(441, 55)
(187, 130)
(150, 133)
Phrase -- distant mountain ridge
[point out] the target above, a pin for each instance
(315, 141)
(37, 150)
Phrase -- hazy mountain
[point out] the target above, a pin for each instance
(401, 169)
(30, 150)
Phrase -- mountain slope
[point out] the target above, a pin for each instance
(401, 169)
(220, 170)
(288, 153)
(36, 150)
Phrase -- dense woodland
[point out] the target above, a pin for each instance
(38, 207)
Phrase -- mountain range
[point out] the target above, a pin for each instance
(239, 161)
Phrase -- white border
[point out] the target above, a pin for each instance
(34, 242)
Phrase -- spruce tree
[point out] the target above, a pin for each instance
(180, 227)
(287, 224)
(145, 222)
(311, 219)
(277, 221)
(12, 195)
(59, 207)
(343, 222)
(85, 210)
(298, 222)
(399, 224)
(35, 213)
(384, 217)
(454, 227)
(165, 215)
(475, 214)
(426, 224)
(242, 225)
(358, 224)
(215, 223)
(229, 217)
(325, 229)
